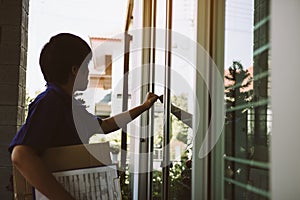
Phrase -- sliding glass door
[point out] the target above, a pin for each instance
(162, 48)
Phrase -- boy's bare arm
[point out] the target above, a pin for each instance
(180, 114)
(185, 117)
(119, 121)
(30, 165)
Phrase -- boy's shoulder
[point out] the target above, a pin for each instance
(49, 98)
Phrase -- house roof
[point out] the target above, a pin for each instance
(105, 39)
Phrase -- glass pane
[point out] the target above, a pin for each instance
(182, 98)
(183, 33)
(247, 91)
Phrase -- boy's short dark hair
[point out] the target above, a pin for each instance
(61, 53)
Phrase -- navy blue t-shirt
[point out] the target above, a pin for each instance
(56, 119)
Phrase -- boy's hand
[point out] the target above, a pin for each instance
(151, 98)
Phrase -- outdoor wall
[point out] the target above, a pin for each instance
(13, 54)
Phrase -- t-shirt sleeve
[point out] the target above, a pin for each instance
(41, 126)
(86, 123)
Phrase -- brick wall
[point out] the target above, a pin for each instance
(13, 54)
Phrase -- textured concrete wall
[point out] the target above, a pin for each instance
(13, 54)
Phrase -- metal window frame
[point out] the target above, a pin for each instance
(210, 35)
(147, 74)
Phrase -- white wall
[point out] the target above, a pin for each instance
(285, 54)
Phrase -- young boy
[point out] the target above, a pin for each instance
(55, 118)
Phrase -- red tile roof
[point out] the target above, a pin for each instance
(105, 39)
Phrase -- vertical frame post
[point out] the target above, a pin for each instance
(167, 101)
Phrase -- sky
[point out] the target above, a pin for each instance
(106, 18)
(239, 32)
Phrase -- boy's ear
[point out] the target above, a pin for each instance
(74, 70)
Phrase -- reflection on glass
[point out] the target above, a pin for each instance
(182, 102)
(180, 149)
(248, 116)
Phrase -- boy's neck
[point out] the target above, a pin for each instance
(68, 88)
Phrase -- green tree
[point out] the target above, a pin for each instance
(238, 98)
(28, 101)
(78, 97)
